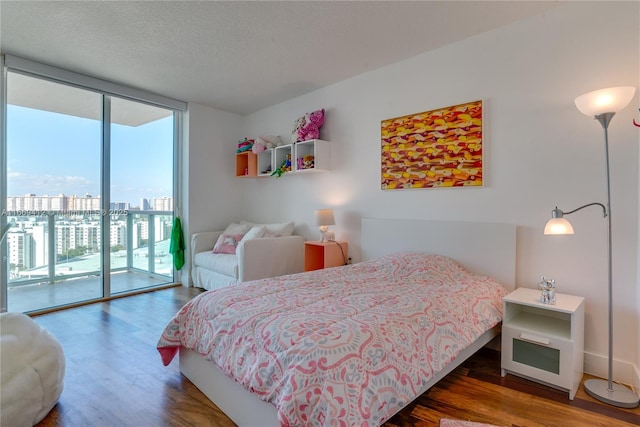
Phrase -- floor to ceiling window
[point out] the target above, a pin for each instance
(88, 189)
(141, 206)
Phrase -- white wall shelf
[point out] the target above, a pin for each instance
(319, 149)
(265, 163)
(269, 160)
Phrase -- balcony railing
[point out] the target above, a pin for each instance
(138, 245)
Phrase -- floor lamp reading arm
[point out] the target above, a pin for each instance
(604, 209)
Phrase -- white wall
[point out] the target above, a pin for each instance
(540, 151)
(210, 196)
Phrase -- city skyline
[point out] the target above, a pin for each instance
(52, 153)
(28, 247)
(62, 202)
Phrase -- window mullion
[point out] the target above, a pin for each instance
(105, 162)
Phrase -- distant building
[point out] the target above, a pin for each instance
(145, 205)
(28, 239)
(162, 228)
(21, 249)
(143, 229)
(163, 204)
(36, 205)
(119, 206)
(86, 203)
(65, 237)
(88, 235)
(39, 234)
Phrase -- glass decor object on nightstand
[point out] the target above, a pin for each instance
(548, 294)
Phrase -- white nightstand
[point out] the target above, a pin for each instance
(544, 342)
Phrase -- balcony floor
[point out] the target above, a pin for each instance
(39, 296)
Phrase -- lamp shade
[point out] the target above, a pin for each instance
(610, 100)
(324, 217)
(558, 226)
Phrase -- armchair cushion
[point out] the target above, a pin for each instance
(226, 264)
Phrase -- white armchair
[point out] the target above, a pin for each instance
(254, 259)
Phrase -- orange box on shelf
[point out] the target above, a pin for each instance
(246, 164)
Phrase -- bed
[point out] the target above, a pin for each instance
(350, 346)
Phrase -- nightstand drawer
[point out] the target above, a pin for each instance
(537, 356)
(544, 342)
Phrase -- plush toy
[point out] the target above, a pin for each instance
(265, 142)
(308, 162)
(284, 167)
(308, 126)
(245, 145)
(258, 147)
(296, 126)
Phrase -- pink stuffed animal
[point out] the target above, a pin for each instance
(308, 127)
(258, 148)
(265, 142)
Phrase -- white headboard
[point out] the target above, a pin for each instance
(482, 248)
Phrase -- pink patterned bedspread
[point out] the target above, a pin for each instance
(343, 346)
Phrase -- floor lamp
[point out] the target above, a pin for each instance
(602, 105)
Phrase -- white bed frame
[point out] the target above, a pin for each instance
(483, 248)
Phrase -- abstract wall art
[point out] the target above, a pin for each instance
(433, 149)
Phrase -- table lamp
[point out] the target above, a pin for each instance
(324, 218)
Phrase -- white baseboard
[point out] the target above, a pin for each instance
(185, 277)
(623, 372)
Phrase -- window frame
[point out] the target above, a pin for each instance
(10, 63)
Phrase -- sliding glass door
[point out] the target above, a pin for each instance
(141, 202)
(89, 194)
(53, 178)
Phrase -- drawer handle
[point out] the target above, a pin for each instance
(534, 339)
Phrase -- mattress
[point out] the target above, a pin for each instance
(342, 346)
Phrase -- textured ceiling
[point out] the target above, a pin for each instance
(240, 56)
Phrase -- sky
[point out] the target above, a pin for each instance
(52, 153)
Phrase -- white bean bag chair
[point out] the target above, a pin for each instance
(31, 371)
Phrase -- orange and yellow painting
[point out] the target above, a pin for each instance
(438, 148)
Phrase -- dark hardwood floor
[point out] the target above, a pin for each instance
(114, 377)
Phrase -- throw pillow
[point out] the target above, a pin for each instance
(227, 243)
(275, 230)
(235, 228)
(256, 232)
